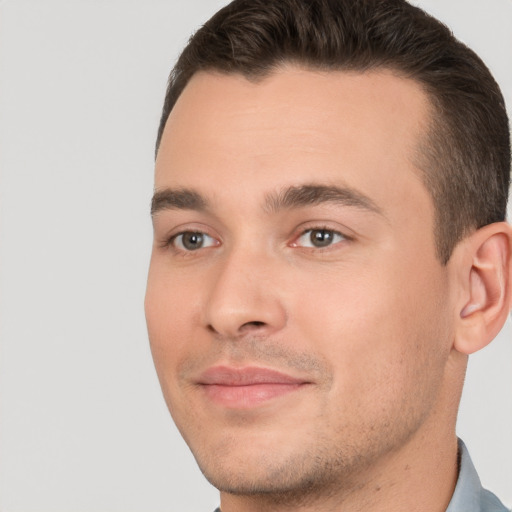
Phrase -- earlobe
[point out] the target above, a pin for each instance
(486, 284)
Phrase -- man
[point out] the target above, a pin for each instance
(330, 246)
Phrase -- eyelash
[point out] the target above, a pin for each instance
(172, 241)
(333, 233)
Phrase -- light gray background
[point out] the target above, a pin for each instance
(83, 426)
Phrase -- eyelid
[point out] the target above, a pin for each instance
(180, 246)
(166, 240)
(305, 230)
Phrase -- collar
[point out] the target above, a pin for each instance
(469, 495)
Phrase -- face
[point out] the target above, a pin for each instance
(297, 313)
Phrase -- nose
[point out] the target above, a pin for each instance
(244, 297)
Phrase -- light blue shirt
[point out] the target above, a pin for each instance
(469, 495)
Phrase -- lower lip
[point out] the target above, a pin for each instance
(242, 397)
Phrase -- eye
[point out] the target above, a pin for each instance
(192, 240)
(319, 238)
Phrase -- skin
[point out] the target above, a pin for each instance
(366, 323)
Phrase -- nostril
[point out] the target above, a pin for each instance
(244, 328)
(252, 325)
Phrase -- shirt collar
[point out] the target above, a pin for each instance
(469, 495)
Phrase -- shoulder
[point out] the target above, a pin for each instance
(489, 502)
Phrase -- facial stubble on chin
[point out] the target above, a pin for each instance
(319, 474)
(294, 483)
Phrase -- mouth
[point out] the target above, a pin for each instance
(243, 388)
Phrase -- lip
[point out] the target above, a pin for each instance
(247, 387)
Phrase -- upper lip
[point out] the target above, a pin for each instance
(247, 376)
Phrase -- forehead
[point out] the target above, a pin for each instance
(296, 125)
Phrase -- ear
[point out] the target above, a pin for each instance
(485, 278)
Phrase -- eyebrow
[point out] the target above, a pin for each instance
(177, 199)
(289, 198)
(313, 194)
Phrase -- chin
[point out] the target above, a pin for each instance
(294, 481)
(238, 465)
(261, 477)
(259, 467)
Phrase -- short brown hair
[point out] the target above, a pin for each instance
(465, 157)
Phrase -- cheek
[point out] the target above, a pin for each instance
(168, 308)
(168, 316)
(383, 329)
